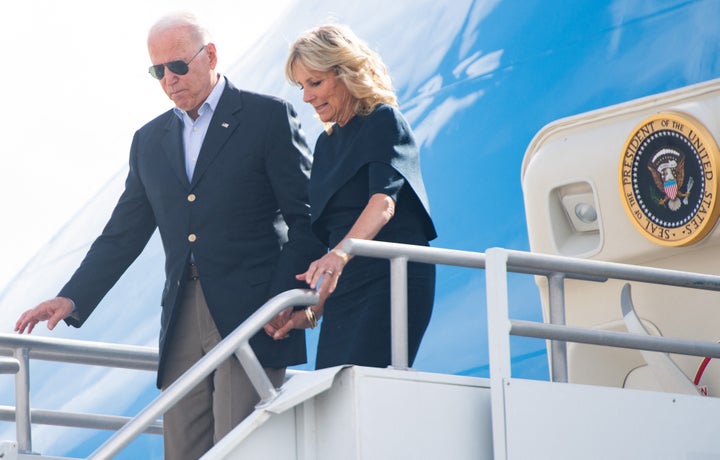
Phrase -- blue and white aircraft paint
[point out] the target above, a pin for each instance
(477, 80)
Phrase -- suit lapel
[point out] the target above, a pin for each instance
(222, 125)
(173, 147)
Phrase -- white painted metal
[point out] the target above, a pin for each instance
(670, 377)
(580, 155)
(399, 313)
(498, 343)
(236, 343)
(8, 450)
(371, 413)
(562, 421)
(300, 389)
(362, 413)
(9, 366)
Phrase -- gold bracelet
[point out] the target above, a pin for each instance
(312, 319)
(342, 254)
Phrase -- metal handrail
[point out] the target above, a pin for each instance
(81, 351)
(555, 268)
(535, 264)
(614, 339)
(497, 262)
(22, 348)
(238, 343)
(543, 264)
(9, 366)
(77, 420)
(500, 327)
(399, 255)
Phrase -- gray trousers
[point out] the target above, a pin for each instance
(218, 403)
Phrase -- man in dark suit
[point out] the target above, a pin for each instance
(224, 178)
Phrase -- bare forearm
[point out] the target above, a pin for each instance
(377, 213)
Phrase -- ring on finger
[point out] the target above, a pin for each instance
(312, 319)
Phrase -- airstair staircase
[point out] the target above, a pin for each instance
(358, 413)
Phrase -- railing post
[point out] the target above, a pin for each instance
(255, 373)
(498, 343)
(558, 350)
(399, 312)
(235, 343)
(22, 401)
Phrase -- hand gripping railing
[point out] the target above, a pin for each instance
(238, 343)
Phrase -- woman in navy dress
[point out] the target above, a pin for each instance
(366, 184)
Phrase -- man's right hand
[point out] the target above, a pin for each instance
(52, 311)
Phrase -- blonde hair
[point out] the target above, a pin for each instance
(337, 48)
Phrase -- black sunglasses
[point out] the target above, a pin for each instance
(176, 67)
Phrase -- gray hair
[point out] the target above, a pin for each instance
(198, 32)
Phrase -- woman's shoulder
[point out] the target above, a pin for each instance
(384, 115)
(385, 111)
(387, 120)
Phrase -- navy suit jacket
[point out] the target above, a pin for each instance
(244, 216)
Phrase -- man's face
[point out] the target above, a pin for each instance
(187, 91)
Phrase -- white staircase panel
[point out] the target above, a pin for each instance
(568, 422)
(373, 414)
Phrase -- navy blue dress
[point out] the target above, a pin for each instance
(370, 154)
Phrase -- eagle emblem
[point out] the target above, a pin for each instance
(667, 168)
(669, 179)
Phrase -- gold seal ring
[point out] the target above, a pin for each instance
(668, 179)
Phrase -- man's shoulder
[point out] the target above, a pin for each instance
(251, 97)
(161, 120)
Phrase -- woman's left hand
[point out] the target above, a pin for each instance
(294, 319)
(278, 322)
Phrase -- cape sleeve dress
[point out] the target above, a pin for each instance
(370, 154)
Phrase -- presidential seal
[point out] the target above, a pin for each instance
(669, 179)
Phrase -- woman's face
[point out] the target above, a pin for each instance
(326, 93)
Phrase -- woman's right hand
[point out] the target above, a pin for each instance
(324, 273)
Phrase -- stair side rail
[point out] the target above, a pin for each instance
(399, 255)
(501, 327)
(19, 349)
(236, 343)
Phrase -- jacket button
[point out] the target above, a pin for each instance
(192, 237)
(191, 197)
